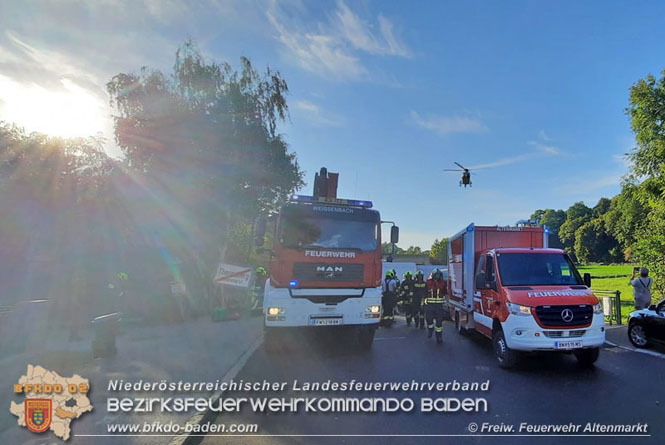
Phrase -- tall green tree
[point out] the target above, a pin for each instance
(647, 120)
(627, 218)
(203, 139)
(553, 219)
(438, 253)
(602, 207)
(593, 243)
(576, 216)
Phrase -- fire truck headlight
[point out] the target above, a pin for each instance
(597, 308)
(375, 309)
(518, 309)
(275, 310)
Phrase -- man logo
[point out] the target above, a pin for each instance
(567, 315)
(38, 414)
(329, 272)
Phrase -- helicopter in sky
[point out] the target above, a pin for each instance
(466, 174)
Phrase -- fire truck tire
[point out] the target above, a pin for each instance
(365, 338)
(587, 357)
(506, 357)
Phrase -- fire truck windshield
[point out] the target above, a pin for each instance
(329, 230)
(540, 269)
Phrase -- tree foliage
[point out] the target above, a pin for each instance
(205, 137)
(553, 219)
(647, 120)
(438, 253)
(593, 243)
(576, 216)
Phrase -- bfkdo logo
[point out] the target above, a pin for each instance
(52, 402)
(38, 414)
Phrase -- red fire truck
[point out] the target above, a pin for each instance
(325, 271)
(506, 284)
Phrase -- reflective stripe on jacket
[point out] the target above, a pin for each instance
(435, 291)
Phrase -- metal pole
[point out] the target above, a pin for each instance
(618, 307)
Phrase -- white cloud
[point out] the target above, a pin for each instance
(334, 48)
(52, 61)
(540, 150)
(319, 53)
(395, 46)
(444, 125)
(544, 136)
(316, 115)
(505, 161)
(545, 148)
(360, 35)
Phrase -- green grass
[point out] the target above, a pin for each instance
(613, 277)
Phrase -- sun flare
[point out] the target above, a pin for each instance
(69, 111)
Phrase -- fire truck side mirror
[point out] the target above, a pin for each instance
(394, 234)
(587, 279)
(260, 226)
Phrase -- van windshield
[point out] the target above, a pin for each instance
(537, 269)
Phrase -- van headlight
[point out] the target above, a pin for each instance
(374, 309)
(275, 310)
(518, 309)
(597, 308)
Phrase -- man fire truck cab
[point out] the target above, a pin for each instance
(505, 283)
(325, 269)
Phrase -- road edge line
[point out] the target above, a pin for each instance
(642, 351)
(209, 415)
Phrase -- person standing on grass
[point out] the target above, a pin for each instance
(641, 288)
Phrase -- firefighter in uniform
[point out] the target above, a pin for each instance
(406, 291)
(434, 312)
(419, 293)
(389, 299)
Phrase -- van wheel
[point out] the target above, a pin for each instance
(365, 338)
(506, 357)
(461, 330)
(587, 357)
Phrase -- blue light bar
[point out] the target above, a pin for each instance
(469, 229)
(347, 202)
(303, 198)
(293, 283)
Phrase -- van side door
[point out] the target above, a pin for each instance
(489, 292)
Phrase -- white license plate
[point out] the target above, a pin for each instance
(325, 321)
(568, 344)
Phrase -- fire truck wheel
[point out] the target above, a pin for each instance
(587, 357)
(506, 357)
(461, 330)
(365, 337)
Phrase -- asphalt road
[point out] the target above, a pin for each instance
(624, 388)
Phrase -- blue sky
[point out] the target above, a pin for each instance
(386, 93)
